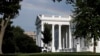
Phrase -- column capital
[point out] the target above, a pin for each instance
(60, 24)
(53, 24)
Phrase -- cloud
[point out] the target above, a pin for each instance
(31, 8)
(42, 1)
(56, 9)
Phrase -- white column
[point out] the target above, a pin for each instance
(42, 29)
(60, 37)
(70, 38)
(53, 49)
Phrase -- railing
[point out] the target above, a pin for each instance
(84, 49)
(54, 16)
(67, 50)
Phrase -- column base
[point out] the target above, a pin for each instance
(60, 49)
(53, 49)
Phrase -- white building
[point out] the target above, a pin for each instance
(62, 39)
(31, 34)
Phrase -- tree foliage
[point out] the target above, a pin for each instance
(25, 43)
(8, 45)
(8, 10)
(15, 41)
(86, 16)
(47, 34)
(87, 19)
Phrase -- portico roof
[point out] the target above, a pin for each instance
(52, 18)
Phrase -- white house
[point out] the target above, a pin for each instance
(62, 39)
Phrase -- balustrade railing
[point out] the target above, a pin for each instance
(67, 50)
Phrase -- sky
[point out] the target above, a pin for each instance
(31, 8)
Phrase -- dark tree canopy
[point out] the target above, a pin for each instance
(9, 8)
(8, 45)
(86, 16)
(87, 19)
(15, 41)
(47, 34)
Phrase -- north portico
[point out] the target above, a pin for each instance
(61, 32)
(62, 35)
